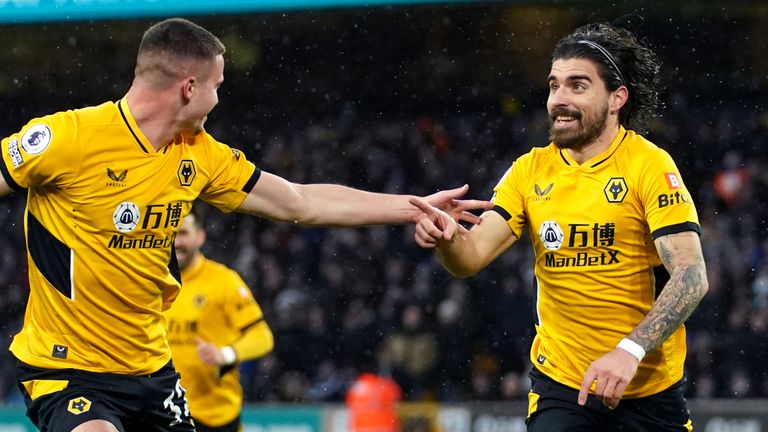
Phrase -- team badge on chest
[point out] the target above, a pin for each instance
(615, 190)
(186, 172)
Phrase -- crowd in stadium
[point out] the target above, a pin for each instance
(344, 300)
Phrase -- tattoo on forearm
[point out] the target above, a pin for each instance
(665, 253)
(682, 293)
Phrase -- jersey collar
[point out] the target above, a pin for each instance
(194, 267)
(130, 122)
(598, 159)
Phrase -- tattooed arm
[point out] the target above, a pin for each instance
(681, 255)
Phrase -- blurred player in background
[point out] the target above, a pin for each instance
(108, 187)
(213, 325)
(619, 265)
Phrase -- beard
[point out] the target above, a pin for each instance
(184, 258)
(584, 134)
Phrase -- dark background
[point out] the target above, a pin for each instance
(412, 99)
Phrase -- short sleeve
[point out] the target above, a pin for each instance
(232, 177)
(42, 153)
(240, 306)
(668, 205)
(508, 198)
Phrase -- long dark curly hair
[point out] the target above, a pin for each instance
(625, 62)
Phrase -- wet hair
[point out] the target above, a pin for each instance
(174, 44)
(621, 60)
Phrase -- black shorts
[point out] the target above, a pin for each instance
(553, 407)
(144, 403)
(233, 426)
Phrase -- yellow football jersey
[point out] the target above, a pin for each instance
(103, 209)
(217, 306)
(597, 269)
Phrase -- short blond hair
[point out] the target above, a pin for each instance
(171, 48)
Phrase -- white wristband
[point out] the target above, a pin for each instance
(632, 347)
(229, 355)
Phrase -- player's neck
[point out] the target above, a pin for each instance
(596, 146)
(193, 263)
(155, 120)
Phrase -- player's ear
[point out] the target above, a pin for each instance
(188, 88)
(617, 99)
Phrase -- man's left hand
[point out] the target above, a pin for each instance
(613, 372)
(209, 353)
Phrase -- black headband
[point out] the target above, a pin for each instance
(607, 55)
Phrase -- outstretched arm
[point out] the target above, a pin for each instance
(683, 259)
(462, 252)
(334, 205)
